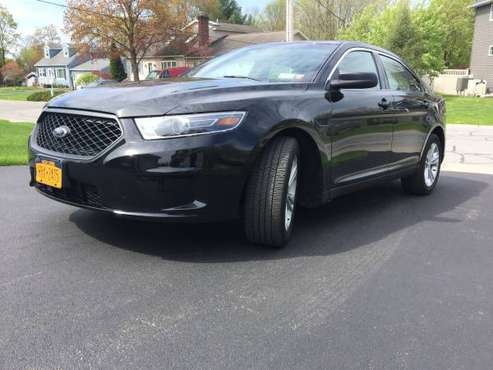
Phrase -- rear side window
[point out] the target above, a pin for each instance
(399, 77)
(357, 62)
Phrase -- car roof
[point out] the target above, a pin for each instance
(346, 44)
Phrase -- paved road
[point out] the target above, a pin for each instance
(20, 111)
(376, 280)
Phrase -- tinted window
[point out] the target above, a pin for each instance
(398, 75)
(279, 62)
(357, 62)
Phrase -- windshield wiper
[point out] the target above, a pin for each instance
(233, 76)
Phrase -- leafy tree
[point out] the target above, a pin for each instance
(28, 57)
(116, 67)
(132, 26)
(232, 12)
(11, 72)
(8, 34)
(322, 19)
(273, 17)
(434, 35)
(450, 23)
(86, 78)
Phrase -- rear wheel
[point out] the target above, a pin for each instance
(270, 200)
(425, 179)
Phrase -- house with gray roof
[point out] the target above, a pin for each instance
(202, 39)
(482, 44)
(61, 65)
(99, 66)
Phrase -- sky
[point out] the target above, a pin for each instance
(31, 14)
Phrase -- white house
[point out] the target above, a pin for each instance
(59, 65)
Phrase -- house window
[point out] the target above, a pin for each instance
(168, 64)
(60, 73)
(42, 72)
(149, 67)
(490, 51)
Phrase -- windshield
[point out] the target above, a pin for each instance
(273, 62)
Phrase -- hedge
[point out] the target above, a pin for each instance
(44, 95)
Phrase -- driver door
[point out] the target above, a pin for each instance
(361, 124)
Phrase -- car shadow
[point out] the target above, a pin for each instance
(346, 223)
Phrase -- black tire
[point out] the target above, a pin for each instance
(416, 184)
(266, 194)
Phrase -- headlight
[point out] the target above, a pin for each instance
(188, 124)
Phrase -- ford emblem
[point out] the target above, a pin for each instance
(61, 132)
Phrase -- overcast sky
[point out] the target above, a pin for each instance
(30, 14)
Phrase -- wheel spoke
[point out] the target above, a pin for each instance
(291, 193)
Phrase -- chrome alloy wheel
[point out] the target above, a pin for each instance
(432, 161)
(291, 194)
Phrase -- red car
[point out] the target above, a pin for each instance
(167, 73)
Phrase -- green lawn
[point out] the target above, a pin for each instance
(13, 142)
(17, 93)
(476, 111)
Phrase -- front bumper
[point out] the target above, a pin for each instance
(199, 178)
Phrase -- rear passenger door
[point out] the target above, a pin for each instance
(410, 106)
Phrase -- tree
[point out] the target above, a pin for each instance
(86, 78)
(132, 26)
(450, 24)
(45, 35)
(322, 19)
(11, 72)
(273, 17)
(8, 34)
(232, 12)
(116, 66)
(395, 27)
(28, 57)
(210, 7)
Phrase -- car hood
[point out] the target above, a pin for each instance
(148, 98)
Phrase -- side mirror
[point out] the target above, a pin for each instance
(354, 81)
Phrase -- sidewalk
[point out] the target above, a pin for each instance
(469, 148)
(20, 111)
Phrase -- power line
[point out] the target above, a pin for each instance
(65, 6)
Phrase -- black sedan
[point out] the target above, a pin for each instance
(250, 135)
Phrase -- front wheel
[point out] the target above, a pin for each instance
(270, 200)
(425, 179)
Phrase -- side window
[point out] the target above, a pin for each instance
(357, 62)
(399, 77)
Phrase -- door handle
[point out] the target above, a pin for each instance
(384, 104)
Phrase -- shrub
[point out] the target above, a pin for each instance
(116, 68)
(86, 78)
(44, 95)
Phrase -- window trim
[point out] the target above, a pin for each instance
(350, 50)
(420, 84)
(63, 73)
(491, 12)
(490, 51)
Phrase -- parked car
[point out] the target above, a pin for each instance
(252, 134)
(167, 73)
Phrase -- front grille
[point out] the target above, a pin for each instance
(85, 136)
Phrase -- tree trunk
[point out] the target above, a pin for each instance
(135, 65)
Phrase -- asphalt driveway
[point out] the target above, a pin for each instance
(377, 280)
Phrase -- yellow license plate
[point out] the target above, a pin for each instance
(48, 173)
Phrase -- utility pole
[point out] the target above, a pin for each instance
(289, 20)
